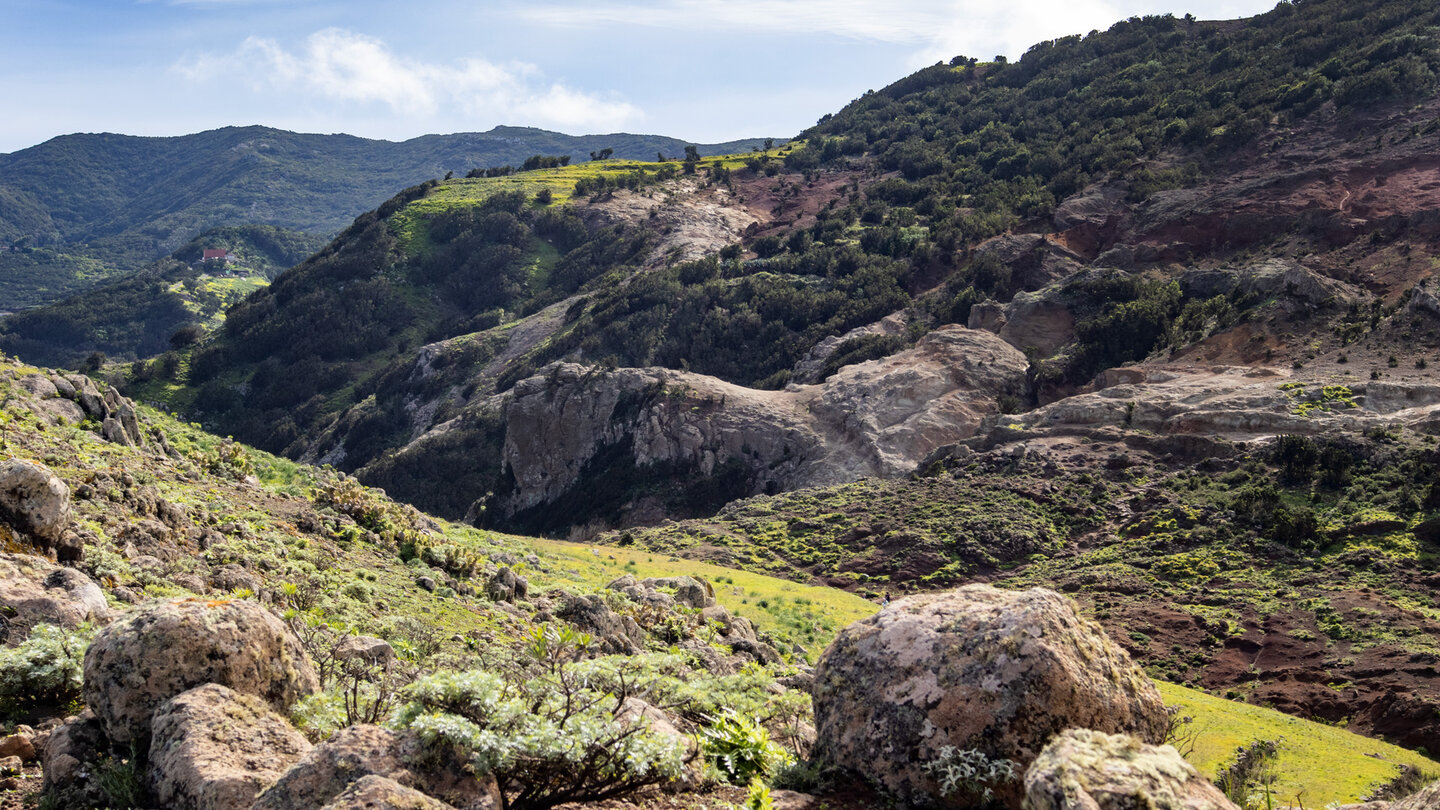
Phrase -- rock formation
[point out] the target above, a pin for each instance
(975, 669)
(167, 647)
(1088, 769)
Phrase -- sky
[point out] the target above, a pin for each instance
(700, 70)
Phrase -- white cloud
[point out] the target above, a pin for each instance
(936, 28)
(342, 68)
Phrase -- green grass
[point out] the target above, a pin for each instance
(806, 614)
(1318, 764)
(407, 225)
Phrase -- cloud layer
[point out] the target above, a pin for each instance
(341, 69)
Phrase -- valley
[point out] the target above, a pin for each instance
(1145, 318)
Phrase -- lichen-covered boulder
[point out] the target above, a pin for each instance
(34, 501)
(353, 753)
(1089, 770)
(977, 669)
(166, 647)
(378, 793)
(212, 748)
(34, 591)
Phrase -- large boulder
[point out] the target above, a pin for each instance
(212, 748)
(34, 591)
(167, 647)
(1096, 771)
(354, 753)
(34, 501)
(976, 669)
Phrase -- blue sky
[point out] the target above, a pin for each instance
(703, 70)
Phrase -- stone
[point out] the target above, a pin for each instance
(212, 748)
(378, 793)
(590, 614)
(11, 766)
(34, 591)
(39, 385)
(231, 577)
(353, 753)
(365, 649)
(1088, 769)
(166, 647)
(18, 745)
(70, 759)
(689, 591)
(507, 586)
(978, 668)
(34, 501)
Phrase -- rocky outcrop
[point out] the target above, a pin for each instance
(976, 669)
(1427, 798)
(354, 753)
(893, 412)
(506, 585)
(34, 591)
(162, 649)
(1088, 769)
(560, 421)
(33, 502)
(1234, 402)
(214, 749)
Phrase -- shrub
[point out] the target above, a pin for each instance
(741, 749)
(44, 670)
(548, 740)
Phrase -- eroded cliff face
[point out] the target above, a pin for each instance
(572, 423)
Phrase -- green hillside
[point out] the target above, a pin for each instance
(136, 317)
(124, 201)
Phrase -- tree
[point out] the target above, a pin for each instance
(603, 154)
(692, 159)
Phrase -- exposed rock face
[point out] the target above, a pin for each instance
(1088, 769)
(378, 793)
(214, 749)
(164, 648)
(894, 411)
(978, 669)
(354, 753)
(876, 418)
(35, 591)
(556, 423)
(34, 501)
(1236, 402)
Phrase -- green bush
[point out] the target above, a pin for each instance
(44, 670)
(741, 749)
(548, 741)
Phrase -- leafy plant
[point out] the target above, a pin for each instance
(969, 772)
(741, 749)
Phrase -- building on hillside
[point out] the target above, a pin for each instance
(220, 255)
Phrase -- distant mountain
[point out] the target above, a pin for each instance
(123, 201)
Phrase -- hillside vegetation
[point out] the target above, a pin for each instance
(123, 201)
(190, 514)
(136, 317)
